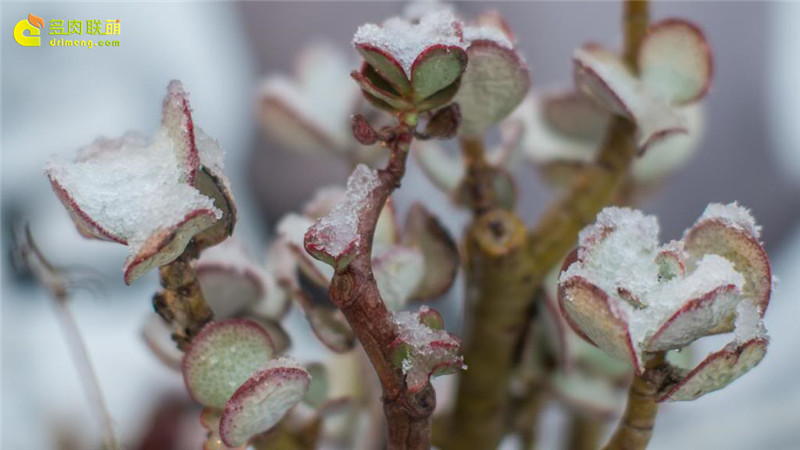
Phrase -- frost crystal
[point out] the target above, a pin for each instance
(732, 215)
(336, 234)
(405, 41)
(130, 187)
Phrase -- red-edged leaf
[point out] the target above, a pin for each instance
(262, 401)
(436, 68)
(675, 61)
(165, 246)
(386, 66)
(222, 357)
(740, 247)
(695, 319)
(493, 85)
(601, 76)
(176, 121)
(595, 315)
(716, 371)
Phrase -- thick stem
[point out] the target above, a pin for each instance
(355, 292)
(636, 424)
(503, 284)
(181, 301)
(478, 180)
(499, 289)
(584, 432)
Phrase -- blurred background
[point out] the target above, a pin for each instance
(55, 100)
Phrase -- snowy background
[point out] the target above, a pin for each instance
(55, 100)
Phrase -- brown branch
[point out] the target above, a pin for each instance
(355, 292)
(181, 302)
(635, 427)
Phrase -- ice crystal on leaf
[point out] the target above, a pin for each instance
(151, 195)
(631, 297)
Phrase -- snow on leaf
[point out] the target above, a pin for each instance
(149, 195)
(291, 231)
(631, 297)
(262, 401)
(222, 357)
(423, 351)
(335, 237)
(731, 232)
(404, 41)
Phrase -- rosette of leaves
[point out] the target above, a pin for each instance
(152, 195)
(411, 67)
(634, 299)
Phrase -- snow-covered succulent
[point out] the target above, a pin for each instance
(411, 67)
(231, 367)
(154, 196)
(310, 111)
(674, 69)
(423, 349)
(632, 298)
(417, 262)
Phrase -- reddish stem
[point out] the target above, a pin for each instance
(355, 292)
